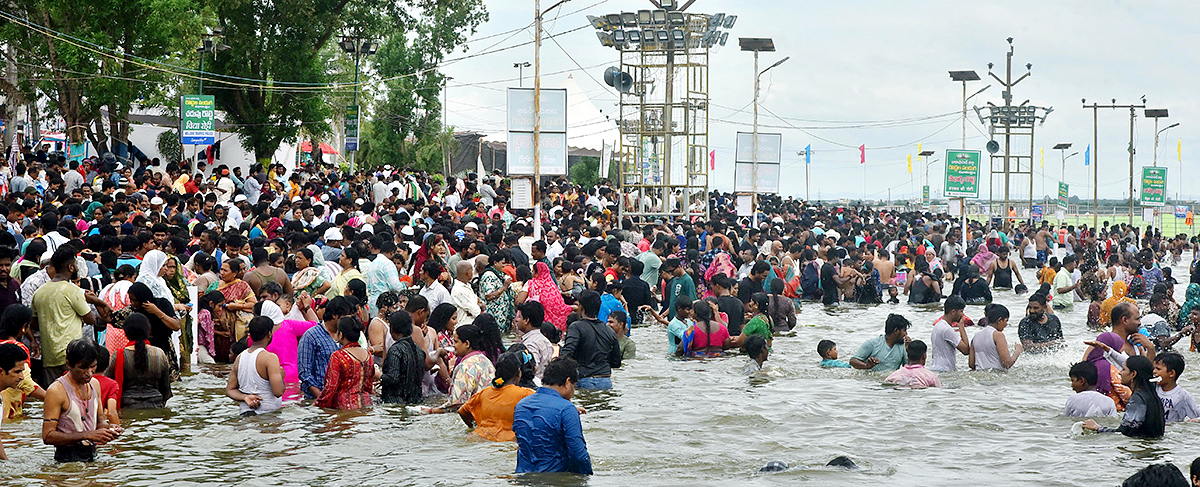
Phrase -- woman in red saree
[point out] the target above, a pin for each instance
(239, 304)
(351, 374)
(543, 290)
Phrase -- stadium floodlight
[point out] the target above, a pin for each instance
(717, 20)
(597, 22)
(618, 36)
(729, 20)
(678, 38)
(644, 18)
(633, 36)
(606, 39)
(662, 36)
(675, 18)
(614, 20)
(724, 37)
(629, 19)
(660, 17)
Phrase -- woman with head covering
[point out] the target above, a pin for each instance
(543, 290)
(1118, 296)
(151, 272)
(983, 260)
(1101, 353)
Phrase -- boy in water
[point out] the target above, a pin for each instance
(1087, 403)
(1177, 403)
(827, 349)
(914, 375)
(757, 352)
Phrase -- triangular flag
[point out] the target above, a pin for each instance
(1043, 157)
(862, 154)
(712, 160)
(1087, 155)
(808, 154)
(910, 162)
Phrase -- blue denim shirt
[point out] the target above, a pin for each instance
(549, 435)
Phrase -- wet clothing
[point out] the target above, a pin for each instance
(1144, 417)
(249, 382)
(987, 356)
(1089, 404)
(403, 372)
(1003, 275)
(1038, 333)
(594, 345)
(81, 416)
(890, 358)
(549, 435)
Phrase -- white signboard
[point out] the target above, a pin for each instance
(1148, 214)
(553, 141)
(768, 178)
(769, 148)
(745, 205)
(522, 194)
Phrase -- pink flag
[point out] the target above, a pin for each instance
(712, 160)
(862, 154)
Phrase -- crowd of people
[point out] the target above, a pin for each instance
(339, 290)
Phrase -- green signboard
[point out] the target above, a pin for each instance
(925, 196)
(1154, 186)
(196, 120)
(351, 128)
(962, 174)
(1063, 194)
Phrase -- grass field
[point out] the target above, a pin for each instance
(1167, 221)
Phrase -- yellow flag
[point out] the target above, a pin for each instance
(910, 163)
(1043, 157)
(919, 148)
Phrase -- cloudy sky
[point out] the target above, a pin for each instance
(859, 63)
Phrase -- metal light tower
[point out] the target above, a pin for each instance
(1012, 122)
(663, 148)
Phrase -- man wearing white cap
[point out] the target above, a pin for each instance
(235, 219)
(333, 244)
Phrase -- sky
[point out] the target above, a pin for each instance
(861, 62)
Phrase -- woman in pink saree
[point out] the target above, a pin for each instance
(543, 290)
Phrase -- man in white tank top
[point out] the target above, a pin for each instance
(989, 347)
(256, 380)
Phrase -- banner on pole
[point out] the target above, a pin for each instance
(553, 142)
(351, 128)
(1154, 186)
(962, 174)
(1181, 211)
(925, 196)
(197, 114)
(1036, 212)
(1063, 195)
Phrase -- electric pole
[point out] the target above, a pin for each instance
(1096, 139)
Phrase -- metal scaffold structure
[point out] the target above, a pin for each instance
(663, 82)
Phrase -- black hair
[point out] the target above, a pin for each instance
(995, 312)
(508, 369)
(1172, 361)
(1158, 475)
(11, 354)
(590, 301)
(137, 330)
(338, 307)
(551, 332)
(400, 323)
(14, 320)
(916, 351)
(755, 344)
(683, 304)
(271, 288)
(620, 316)
(492, 343)
(1085, 370)
(559, 371)
(439, 318)
(532, 311)
(209, 301)
(1038, 297)
(824, 346)
(1143, 369)
(894, 323)
(417, 303)
(953, 303)
(350, 328)
(260, 328)
(471, 335)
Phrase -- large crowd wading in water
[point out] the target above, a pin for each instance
(340, 291)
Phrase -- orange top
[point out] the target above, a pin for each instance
(492, 410)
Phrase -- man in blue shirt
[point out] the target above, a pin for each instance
(549, 434)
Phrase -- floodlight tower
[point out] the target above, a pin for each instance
(1015, 123)
(664, 136)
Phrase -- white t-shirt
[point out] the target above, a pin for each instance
(1090, 404)
(945, 340)
(1178, 404)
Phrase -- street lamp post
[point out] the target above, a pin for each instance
(756, 45)
(358, 47)
(964, 77)
(521, 72)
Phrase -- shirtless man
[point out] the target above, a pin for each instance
(1043, 248)
(72, 415)
(851, 278)
(887, 269)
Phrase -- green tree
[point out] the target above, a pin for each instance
(411, 107)
(99, 55)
